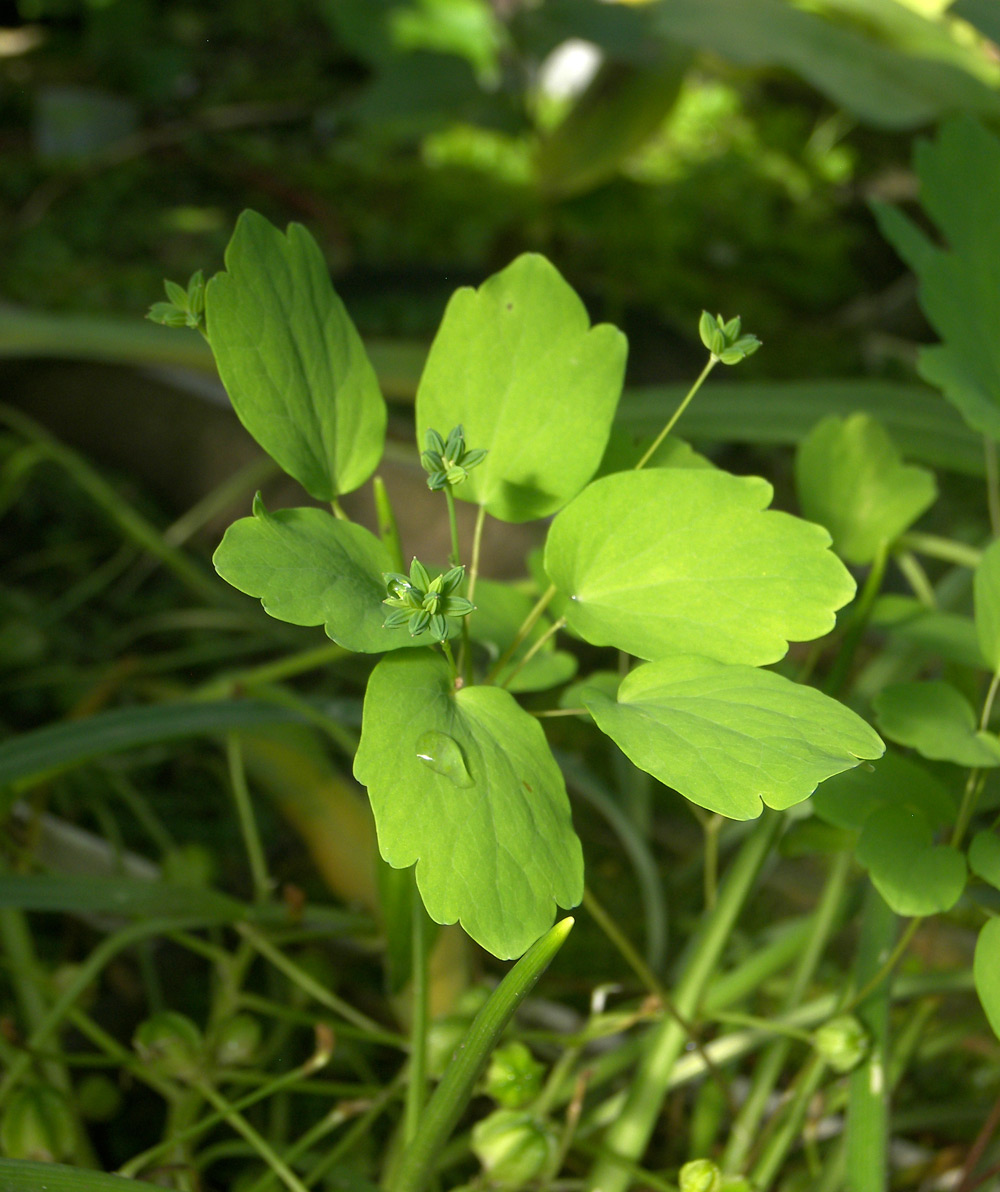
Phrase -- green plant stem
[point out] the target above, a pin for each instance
(477, 542)
(867, 1125)
(527, 625)
(946, 549)
(860, 616)
(455, 558)
(387, 528)
(338, 510)
(131, 524)
(275, 672)
(535, 646)
(312, 988)
(242, 1127)
(767, 1070)
(624, 946)
(781, 1141)
(247, 819)
(886, 970)
(360, 1131)
(648, 455)
(711, 829)
(916, 577)
(416, 1088)
(629, 1135)
(452, 1095)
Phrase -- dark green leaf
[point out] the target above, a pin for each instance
(913, 875)
(935, 720)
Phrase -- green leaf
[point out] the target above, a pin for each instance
(484, 815)
(22, 1175)
(984, 857)
(291, 360)
(913, 875)
(935, 720)
(687, 560)
(117, 896)
(517, 363)
(851, 479)
(847, 800)
(309, 568)
(48, 750)
(986, 592)
(960, 284)
(986, 972)
(731, 738)
(948, 636)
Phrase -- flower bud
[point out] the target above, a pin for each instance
(237, 1040)
(171, 1043)
(700, 1175)
(513, 1146)
(38, 1124)
(514, 1077)
(842, 1042)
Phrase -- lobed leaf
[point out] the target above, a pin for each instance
(731, 738)
(851, 479)
(292, 361)
(518, 365)
(484, 816)
(687, 560)
(309, 568)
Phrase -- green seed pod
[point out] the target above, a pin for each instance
(700, 1175)
(38, 1124)
(98, 1098)
(513, 1147)
(843, 1042)
(237, 1040)
(170, 1043)
(514, 1077)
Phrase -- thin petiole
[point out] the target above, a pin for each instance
(527, 625)
(712, 362)
(477, 539)
(552, 630)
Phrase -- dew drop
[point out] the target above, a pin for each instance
(443, 755)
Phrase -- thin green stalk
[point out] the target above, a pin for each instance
(936, 547)
(858, 623)
(629, 1135)
(477, 541)
(712, 362)
(868, 1108)
(416, 1088)
(131, 523)
(618, 938)
(388, 530)
(527, 625)
(916, 577)
(781, 1141)
(312, 988)
(549, 633)
(247, 819)
(275, 672)
(359, 1132)
(767, 1070)
(242, 1127)
(452, 1095)
(455, 558)
(338, 510)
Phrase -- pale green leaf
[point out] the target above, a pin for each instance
(291, 360)
(309, 568)
(518, 365)
(848, 799)
(731, 738)
(913, 875)
(851, 479)
(984, 857)
(935, 720)
(960, 283)
(986, 972)
(986, 592)
(668, 560)
(483, 813)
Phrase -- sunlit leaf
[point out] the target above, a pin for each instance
(731, 738)
(687, 560)
(851, 479)
(291, 360)
(464, 785)
(518, 365)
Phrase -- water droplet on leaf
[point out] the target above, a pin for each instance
(443, 755)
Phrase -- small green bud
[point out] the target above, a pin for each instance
(38, 1124)
(448, 461)
(177, 294)
(514, 1077)
(98, 1098)
(513, 1147)
(843, 1042)
(237, 1040)
(167, 314)
(196, 293)
(700, 1175)
(723, 338)
(171, 1043)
